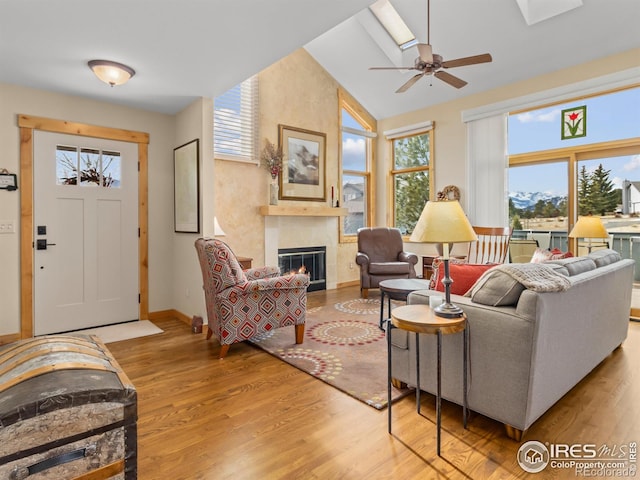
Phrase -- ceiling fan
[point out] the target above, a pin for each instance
(429, 63)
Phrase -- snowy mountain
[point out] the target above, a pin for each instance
(527, 200)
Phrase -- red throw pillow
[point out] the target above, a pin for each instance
(463, 275)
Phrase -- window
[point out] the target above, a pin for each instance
(392, 22)
(98, 168)
(410, 175)
(594, 169)
(356, 163)
(235, 123)
(533, 199)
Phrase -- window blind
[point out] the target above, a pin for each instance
(235, 123)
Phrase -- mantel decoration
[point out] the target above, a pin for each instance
(272, 160)
(304, 165)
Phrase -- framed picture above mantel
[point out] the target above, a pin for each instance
(304, 165)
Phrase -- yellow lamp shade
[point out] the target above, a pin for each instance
(443, 222)
(589, 227)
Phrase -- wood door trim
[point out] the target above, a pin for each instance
(27, 125)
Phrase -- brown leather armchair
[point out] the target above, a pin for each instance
(381, 257)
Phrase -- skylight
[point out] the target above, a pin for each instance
(393, 24)
(535, 11)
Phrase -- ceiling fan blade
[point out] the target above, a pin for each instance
(392, 68)
(426, 52)
(461, 62)
(450, 79)
(409, 83)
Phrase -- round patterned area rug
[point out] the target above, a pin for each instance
(343, 347)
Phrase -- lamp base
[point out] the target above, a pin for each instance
(448, 310)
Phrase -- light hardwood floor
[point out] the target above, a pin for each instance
(251, 416)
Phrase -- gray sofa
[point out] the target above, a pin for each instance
(526, 355)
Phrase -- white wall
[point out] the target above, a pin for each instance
(195, 121)
(16, 100)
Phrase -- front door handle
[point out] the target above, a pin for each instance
(41, 244)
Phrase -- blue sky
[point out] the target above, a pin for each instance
(609, 117)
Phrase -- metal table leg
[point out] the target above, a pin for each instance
(439, 397)
(389, 328)
(418, 372)
(465, 360)
(381, 324)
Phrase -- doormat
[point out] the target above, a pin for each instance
(343, 346)
(122, 331)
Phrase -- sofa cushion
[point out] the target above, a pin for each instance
(604, 257)
(464, 275)
(575, 265)
(558, 268)
(497, 289)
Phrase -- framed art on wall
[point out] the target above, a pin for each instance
(187, 187)
(303, 174)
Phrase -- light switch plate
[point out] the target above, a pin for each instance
(7, 226)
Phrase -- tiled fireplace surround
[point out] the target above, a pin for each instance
(301, 231)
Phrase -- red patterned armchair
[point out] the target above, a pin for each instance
(243, 304)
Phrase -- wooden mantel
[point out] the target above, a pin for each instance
(297, 211)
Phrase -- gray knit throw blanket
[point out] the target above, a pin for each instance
(535, 276)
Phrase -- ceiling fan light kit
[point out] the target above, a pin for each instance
(429, 63)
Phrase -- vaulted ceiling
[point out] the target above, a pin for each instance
(183, 49)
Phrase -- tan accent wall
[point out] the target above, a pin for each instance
(297, 92)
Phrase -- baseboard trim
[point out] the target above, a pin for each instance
(353, 283)
(171, 313)
(4, 339)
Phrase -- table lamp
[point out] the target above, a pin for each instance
(589, 227)
(217, 229)
(444, 222)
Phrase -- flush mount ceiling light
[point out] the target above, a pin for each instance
(113, 73)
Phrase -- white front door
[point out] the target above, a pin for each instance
(85, 231)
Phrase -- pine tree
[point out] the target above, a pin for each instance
(412, 188)
(603, 197)
(584, 192)
(515, 223)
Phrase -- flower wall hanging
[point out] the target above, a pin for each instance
(574, 123)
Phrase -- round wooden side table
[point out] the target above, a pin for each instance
(422, 319)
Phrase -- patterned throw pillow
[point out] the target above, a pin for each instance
(557, 254)
(541, 255)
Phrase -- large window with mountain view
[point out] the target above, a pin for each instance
(411, 178)
(554, 179)
(598, 169)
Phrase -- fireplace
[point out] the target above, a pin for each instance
(314, 261)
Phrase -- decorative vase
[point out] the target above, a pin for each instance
(273, 192)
